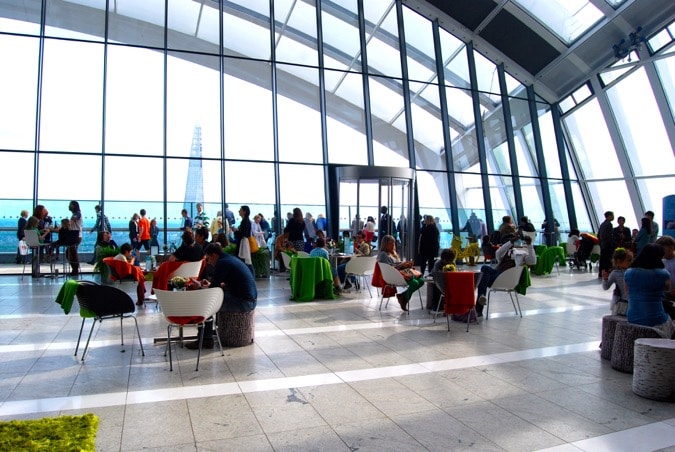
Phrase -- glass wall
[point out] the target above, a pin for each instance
(174, 103)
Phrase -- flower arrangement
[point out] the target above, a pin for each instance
(449, 268)
(179, 282)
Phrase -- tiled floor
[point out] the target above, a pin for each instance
(338, 375)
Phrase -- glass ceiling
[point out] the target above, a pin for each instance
(567, 19)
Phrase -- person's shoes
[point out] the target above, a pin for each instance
(479, 315)
(481, 300)
(348, 285)
(337, 290)
(194, 345)
(402, 301)
(139, 303)
(357, 284)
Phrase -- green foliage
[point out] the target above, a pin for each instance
(63, 433)
(100, 267)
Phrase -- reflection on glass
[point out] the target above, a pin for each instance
(295, 32)
(612, 195)
(341, 42)
(59, 16)
(666, 70)
(382, 38)
(250, 19)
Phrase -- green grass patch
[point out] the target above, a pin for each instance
(63, 433)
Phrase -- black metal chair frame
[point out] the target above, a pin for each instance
(106, 302)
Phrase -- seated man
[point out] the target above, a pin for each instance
(236, 280)
(505, 260)
(189, 250)
(321, 251)
(132, 270)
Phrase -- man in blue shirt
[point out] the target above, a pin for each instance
(236, 280)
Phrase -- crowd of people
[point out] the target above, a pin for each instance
(640, 267)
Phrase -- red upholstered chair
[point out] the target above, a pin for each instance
(460, 296)
(190, 307)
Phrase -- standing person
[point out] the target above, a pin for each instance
(217, 225)
(20, 234)
(310, 228)
(238, 284)
(429, 244)
(186, 221)
(264, 226)
(102, 223)
(357, 225)
(75, 224)
(154, 233)
(668, 244)
(655, 227)
(647, 279)
(201, 220)
(134, 233)
(229, 215)
(243, 232)
(621, 234)
(385, 224)
(643, 236)
(321, 223)
(257, 232)
(144, 232)
(369, 230)
(295, 230)
(606, 242)
(622, 258)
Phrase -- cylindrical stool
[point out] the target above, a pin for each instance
(236, 329)
(608, 329)
(624, 338)
(654, 369)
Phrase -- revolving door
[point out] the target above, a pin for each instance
(386, 195)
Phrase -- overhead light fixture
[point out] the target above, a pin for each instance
(625, 47)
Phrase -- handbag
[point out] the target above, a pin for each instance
(620, 307)
(253, 244)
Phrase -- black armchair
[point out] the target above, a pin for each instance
(104, 302)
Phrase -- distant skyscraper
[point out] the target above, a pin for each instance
(194, 188)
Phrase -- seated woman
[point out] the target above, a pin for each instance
(282, 245)
(488, 249)
(647, 279)
(125, 256)
(321, 251)
(413, 277)
(621, 259)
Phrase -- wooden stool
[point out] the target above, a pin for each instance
(236, 329)
(654, 369)
(608, 329)
(624, 338)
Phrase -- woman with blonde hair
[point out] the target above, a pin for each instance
(388, 255)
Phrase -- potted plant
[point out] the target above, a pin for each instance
(100, 267)
(179, 283)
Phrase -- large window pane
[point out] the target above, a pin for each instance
(72, 96)
(309, 195)
(389, 129)
(295, 32)
(50, 187)
(193, 99)
(149, 188)
(248, 111)
(250, 18)
(341, 42)
(61, 15)
(135, 102)
(18, 91)
(612, 195)
(548, 141)
(469, 195)
(433, 194)
(592, 143)
(666, 70)
(299, 119)
(427, 126)
(17, 179)
(193, 26)
(652, 191)
(382, 49)
(259, 196)
(134, 22)
(643, 131)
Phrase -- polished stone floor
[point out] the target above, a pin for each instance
(337, 376)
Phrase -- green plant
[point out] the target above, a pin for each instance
(102, 253)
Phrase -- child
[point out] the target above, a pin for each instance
(621, 259)
(445, 264)
(488, 249)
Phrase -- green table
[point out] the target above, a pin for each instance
(311, 277)
(547, 260)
